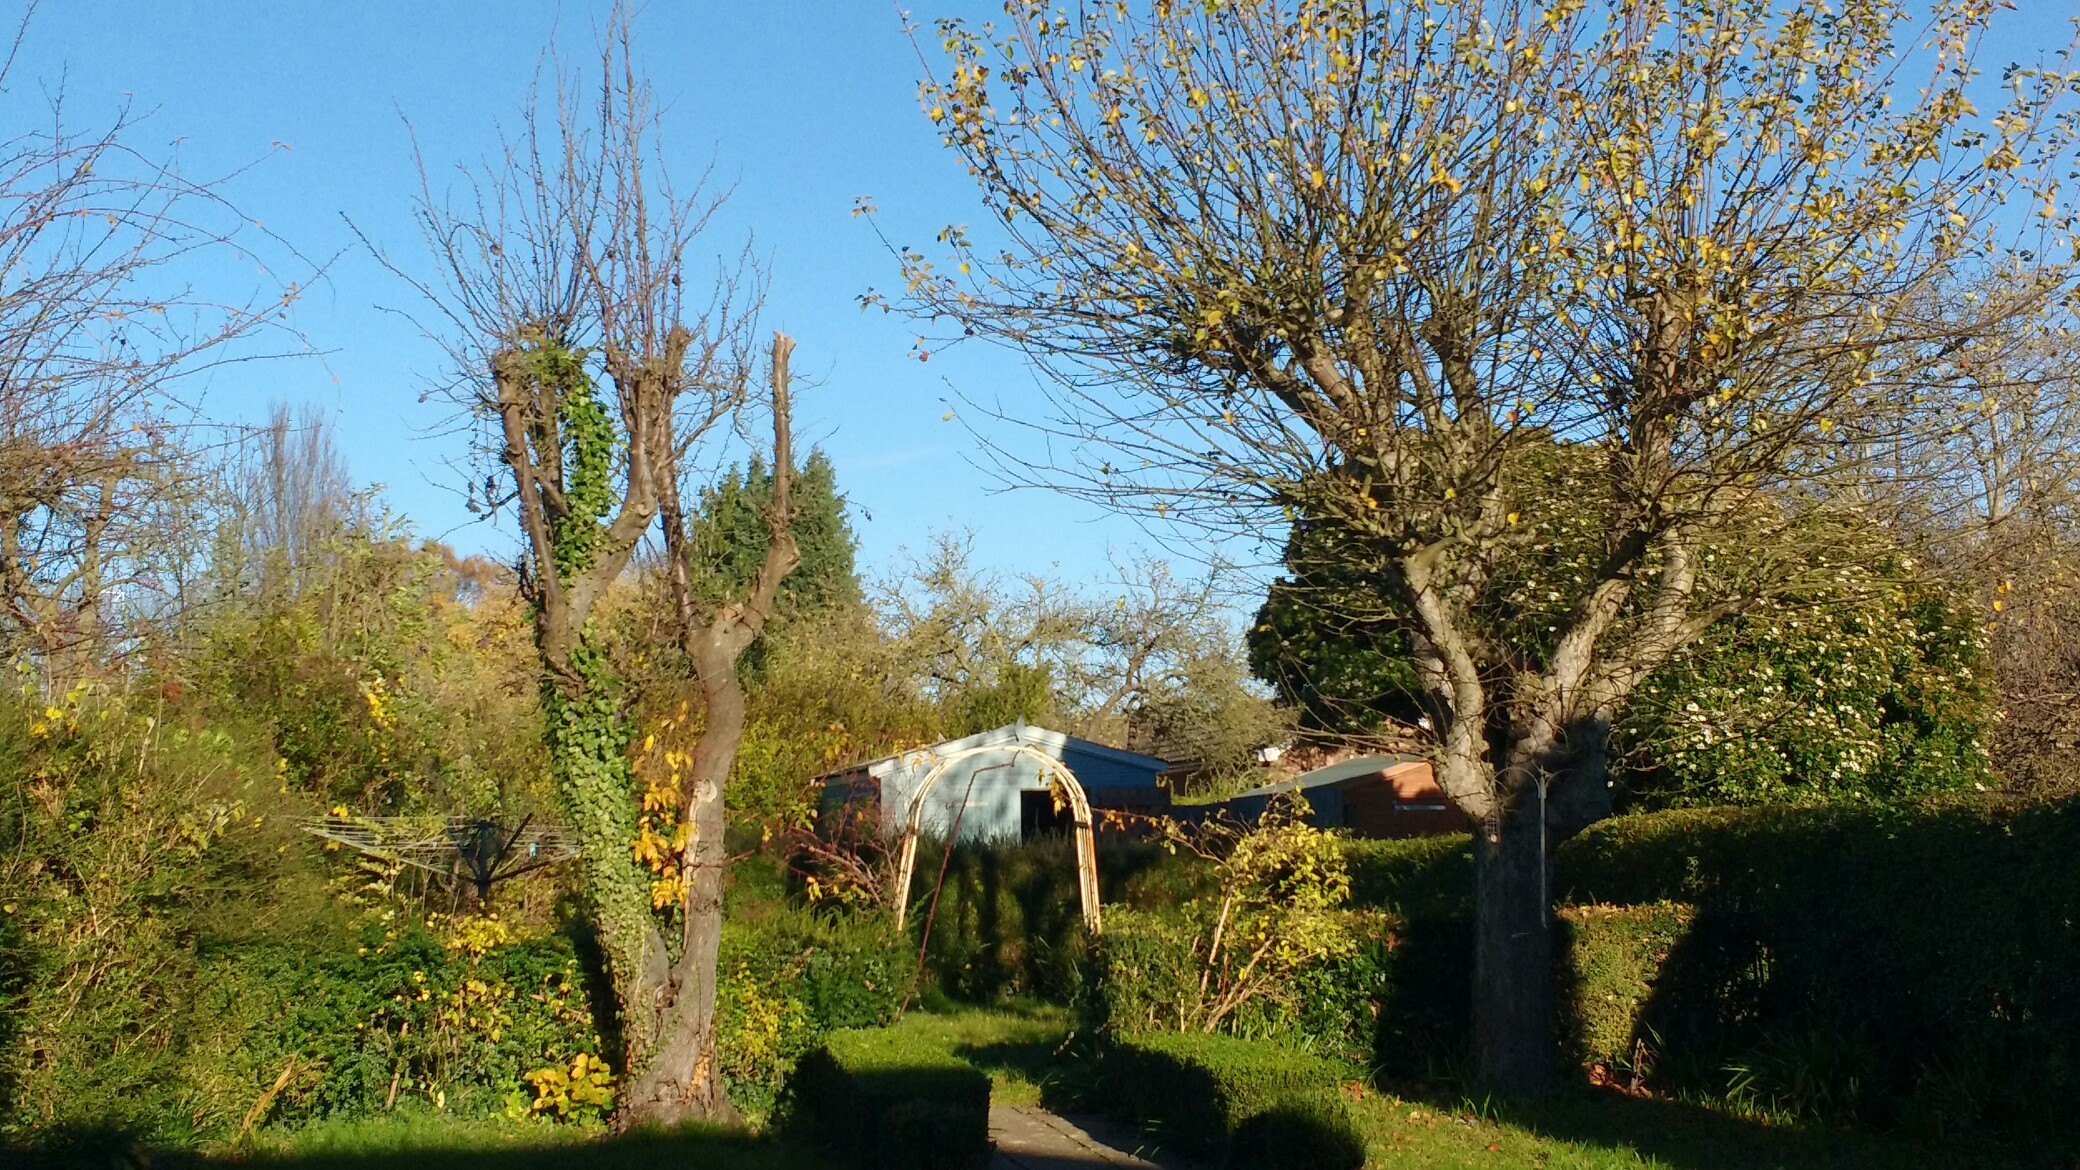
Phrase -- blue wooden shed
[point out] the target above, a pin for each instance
(991, 789)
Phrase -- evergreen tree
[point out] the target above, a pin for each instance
(730, 536)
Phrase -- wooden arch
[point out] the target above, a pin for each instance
(1079, 813)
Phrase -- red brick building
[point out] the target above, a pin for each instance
(1367, 796)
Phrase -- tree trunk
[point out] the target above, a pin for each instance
(1513, 949)
(588, 758)
(683, 1081)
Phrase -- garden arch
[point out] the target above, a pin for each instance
(1056, 772)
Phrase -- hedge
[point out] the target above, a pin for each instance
(1418, 878)
(1904, 968)
(883, 1098)
(1610, 962)
(1251, 1103)
(786, 977)
(1912, 967)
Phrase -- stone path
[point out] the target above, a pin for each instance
(1028, 1137)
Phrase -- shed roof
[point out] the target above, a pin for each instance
(1009, 735)
(1336, 773)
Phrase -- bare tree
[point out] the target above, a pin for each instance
(1035, 645)
(600, 386)
(285, 494)
(1993, 496)
(97, 333)
(1360, 262)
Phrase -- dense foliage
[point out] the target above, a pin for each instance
(1274, 911)
(1901, 966)
(731, 534)
(1902, 969)
(386, 673)
(179, 964)
(788, 978)
(1805, 701)
(1249, 1103)
(1872, 685)
(1008, 920)
(889, 1099)
(133, 841)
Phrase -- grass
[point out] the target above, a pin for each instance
(1019, 1045)
(1593, 1130)
(437, 1141)
(1033, 1055)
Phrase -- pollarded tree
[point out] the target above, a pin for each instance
(1344, 259)
(601, 387)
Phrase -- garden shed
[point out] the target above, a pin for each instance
(1368, 796)
(995, 786)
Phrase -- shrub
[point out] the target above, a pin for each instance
(788, 977)
(132, 843)
(1425, 1025)
(1009, 921)
(1274, 911)
(1610, 958)
(1883, 699)
(408, 1013)
(880, 1097)
(1904, 967)
(1417, 878)
(1253, 1103)
(1316, 1134)
(1145, 978)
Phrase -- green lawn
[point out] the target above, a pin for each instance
(1021, 1047)
(1590, 1130)
(1033, 1056)
(439, 1142)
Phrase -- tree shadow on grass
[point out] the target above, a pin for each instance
(1036, 1060)
(1686, 1136)
(690, 1148)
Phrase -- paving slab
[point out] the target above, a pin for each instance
(1028, 1137)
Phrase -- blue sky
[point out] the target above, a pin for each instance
(804, 105)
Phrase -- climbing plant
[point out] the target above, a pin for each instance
(601, 383)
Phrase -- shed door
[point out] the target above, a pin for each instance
(1037, 815)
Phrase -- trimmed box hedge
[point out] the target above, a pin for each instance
(1610, 958)
(889, 1100)
(1908, 968)
(1251, 1103)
